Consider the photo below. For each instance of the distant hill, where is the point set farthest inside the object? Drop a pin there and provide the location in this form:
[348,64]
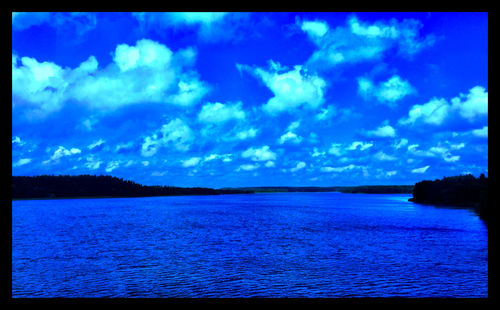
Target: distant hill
[65,186]
[463,191]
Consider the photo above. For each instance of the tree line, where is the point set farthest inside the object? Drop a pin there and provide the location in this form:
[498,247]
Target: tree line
[463,190]
[66,186]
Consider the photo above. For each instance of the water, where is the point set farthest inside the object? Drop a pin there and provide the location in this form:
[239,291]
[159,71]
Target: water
[261,245]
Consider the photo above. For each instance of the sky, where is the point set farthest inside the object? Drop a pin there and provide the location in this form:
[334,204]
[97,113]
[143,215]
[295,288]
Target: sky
[233,99]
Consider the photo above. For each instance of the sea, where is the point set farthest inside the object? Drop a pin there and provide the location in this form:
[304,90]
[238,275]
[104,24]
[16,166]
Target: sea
[264,245]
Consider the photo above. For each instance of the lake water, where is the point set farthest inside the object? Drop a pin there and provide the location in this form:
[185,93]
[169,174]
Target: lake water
[256,245]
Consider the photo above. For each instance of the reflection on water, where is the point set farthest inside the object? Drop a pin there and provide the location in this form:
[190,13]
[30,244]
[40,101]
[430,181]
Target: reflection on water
[261,245]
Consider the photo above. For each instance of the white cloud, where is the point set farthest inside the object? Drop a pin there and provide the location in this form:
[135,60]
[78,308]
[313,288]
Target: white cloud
[147,72]
[96,144]
[17,140]
[270,164]
[248,167]
[335,149]
[474,104]
[362,146]
[384,157]
[61,151]
[340,169]
[433,112]
[259,154]
[112,165]
[191,162]
[326,113]
[420,170]
[22,162]
[247,134]
[482,133]
[314,28]
[401,143]
[292,89]
[175,133]
[382,131]
[223,157]
[317,153]
[391,173]
[289,137]
[300,165]
[437,111]
[93,163]
[359,41]
[220,113]
[390,91]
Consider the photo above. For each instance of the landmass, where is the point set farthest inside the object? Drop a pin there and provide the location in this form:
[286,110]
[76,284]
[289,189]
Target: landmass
[464,191]
[104,186]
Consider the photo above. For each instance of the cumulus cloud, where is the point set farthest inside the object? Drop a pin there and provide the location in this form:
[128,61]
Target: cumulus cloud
[112,165]
[61,151]
[388,92]
[383,131]
[469,106]
[220,113]
[481,133]
[362,145]
[209,26]
[384,157]
[175,133]
[300,165]
[147,72]
[290,137]
[191,162]
[259,154]
[359,41]
[292,89]
[247,134]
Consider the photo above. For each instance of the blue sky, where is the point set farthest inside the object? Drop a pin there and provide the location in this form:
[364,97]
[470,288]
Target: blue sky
[251,99]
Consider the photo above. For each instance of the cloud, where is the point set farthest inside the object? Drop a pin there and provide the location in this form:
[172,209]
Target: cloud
[61,151]
[314,28]
[481,133]
[472,105]
[112,165]
[400,143]
[93,163]
[388,92]
[247,134]
[248,167]
[96,144]
[209,26]
[292,89]
[362,145]
[147,72]
[220,113]
[436,112]
[22,162]
[289,137]
[191,162]
[175,133]
[300,165]
[383,131]
[341,169]
[78,22]
[17,140]
[358,41]
[384,157]
[259,154]
[420,170]
[223,157]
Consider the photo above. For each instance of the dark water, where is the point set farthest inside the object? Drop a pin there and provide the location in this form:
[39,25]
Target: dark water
[262,245]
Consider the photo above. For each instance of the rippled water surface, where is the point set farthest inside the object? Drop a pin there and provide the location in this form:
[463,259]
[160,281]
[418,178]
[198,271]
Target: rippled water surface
[261,245]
